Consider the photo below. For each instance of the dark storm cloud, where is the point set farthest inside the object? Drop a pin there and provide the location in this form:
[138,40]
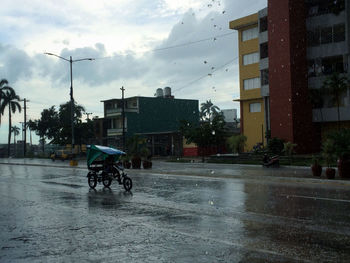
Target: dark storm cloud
[14,63]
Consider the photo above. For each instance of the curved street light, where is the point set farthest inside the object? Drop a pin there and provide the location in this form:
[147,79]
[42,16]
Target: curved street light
[70,60]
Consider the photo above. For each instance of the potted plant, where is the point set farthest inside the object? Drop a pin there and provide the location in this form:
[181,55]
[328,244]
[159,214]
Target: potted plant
[340,140]
[125,159]
[328,153]
[146,163]
[316,168]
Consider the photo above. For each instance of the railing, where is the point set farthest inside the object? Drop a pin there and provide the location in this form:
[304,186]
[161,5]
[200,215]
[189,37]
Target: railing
[111,132]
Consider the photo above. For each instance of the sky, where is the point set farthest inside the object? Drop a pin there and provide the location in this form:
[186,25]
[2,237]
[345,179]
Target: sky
[141,45]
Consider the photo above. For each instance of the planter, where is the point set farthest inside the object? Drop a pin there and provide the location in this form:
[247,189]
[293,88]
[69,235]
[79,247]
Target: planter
[136,162]
[344,167]
[330,173]
[316,170]
[147,164]
[127,164]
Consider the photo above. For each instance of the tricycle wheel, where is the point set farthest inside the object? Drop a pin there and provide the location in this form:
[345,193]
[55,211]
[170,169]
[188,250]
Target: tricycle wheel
[127,182]
[92,180]
[106,180]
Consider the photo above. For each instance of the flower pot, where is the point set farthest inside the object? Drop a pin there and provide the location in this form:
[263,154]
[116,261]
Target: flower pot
[147,164]
[316,170]
[136,162]
[127,164]
[344,167]
[330,173]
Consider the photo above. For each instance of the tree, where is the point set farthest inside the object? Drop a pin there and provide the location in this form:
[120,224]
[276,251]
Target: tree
[15,130]
[64,114]
[47,126]
[335,85]
[3,88]
[205,134]
[10,100]
[208,109]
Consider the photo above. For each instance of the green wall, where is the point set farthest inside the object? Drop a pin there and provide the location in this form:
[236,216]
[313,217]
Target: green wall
[158,115]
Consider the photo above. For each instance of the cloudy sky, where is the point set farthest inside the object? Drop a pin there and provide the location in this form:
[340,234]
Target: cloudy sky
[139,44]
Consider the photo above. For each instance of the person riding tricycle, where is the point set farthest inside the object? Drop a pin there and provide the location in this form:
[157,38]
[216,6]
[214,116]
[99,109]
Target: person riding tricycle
[103,167]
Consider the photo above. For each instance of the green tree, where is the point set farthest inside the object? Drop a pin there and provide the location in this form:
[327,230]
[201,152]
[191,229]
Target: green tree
[15,130]
[47,126]
[335,86]
[11,100]
[208,110]
[206,134]
[3,88]
[64,114]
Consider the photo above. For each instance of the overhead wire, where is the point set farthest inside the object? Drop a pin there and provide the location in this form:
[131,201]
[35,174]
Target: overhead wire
[213,38]
[207,75]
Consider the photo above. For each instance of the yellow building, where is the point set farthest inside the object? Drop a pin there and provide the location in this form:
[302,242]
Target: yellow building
[251,101]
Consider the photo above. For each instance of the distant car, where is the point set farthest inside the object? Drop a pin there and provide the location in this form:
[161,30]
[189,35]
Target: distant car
[61,155]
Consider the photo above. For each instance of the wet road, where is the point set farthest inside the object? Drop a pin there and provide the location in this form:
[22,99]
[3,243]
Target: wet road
[50,214]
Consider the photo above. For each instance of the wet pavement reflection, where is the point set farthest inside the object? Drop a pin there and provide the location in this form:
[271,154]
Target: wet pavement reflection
[50,214]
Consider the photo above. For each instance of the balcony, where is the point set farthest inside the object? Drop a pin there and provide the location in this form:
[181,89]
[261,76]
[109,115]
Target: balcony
[115,132]
[331,114]
[118,111]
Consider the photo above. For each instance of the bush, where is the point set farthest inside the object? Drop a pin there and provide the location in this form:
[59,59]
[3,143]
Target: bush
[236,143]
[275,145]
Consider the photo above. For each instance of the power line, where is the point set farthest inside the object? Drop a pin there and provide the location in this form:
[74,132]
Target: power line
[213,38]
[204,76]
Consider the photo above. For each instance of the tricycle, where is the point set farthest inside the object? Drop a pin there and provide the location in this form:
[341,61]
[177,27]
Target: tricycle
[103,166]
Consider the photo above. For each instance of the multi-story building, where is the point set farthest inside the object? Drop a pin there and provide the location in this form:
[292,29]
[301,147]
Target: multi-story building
[155,118]
[301,42]
[251,101]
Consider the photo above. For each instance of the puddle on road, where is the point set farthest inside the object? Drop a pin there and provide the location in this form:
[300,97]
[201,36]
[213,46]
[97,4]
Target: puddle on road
[63,184]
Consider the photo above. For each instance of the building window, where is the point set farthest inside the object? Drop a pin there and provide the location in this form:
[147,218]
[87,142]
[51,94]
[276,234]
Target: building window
[255,107]
[313,37]
[264,50]
[326,66]
[250,34]
[264,77]
[321,7]
[326,35]
[339,33]
[263,24]
[253,83]
[250,58]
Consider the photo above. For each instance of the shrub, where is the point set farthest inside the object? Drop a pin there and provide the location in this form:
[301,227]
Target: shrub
[275,145]
[236,143]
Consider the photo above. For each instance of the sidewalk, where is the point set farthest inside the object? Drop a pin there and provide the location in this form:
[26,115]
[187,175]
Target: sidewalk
[236,171]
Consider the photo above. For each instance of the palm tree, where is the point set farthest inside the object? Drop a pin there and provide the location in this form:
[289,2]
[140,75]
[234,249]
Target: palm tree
[3,88]
[10,100]
[15,130]
[208,109]
[335,85]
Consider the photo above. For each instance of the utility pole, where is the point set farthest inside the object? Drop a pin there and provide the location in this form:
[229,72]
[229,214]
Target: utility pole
[71,102]
[24,128]
[123,117]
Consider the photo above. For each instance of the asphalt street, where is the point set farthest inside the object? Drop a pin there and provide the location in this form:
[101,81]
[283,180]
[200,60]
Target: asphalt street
[174,213]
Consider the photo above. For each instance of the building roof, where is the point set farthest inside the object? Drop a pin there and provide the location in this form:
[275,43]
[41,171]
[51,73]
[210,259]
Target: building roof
[243,22]
[146,98]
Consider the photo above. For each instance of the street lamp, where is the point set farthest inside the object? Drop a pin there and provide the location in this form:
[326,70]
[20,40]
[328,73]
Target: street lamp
[70,60]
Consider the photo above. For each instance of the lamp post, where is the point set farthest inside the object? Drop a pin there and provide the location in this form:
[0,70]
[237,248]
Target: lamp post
[71,61]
